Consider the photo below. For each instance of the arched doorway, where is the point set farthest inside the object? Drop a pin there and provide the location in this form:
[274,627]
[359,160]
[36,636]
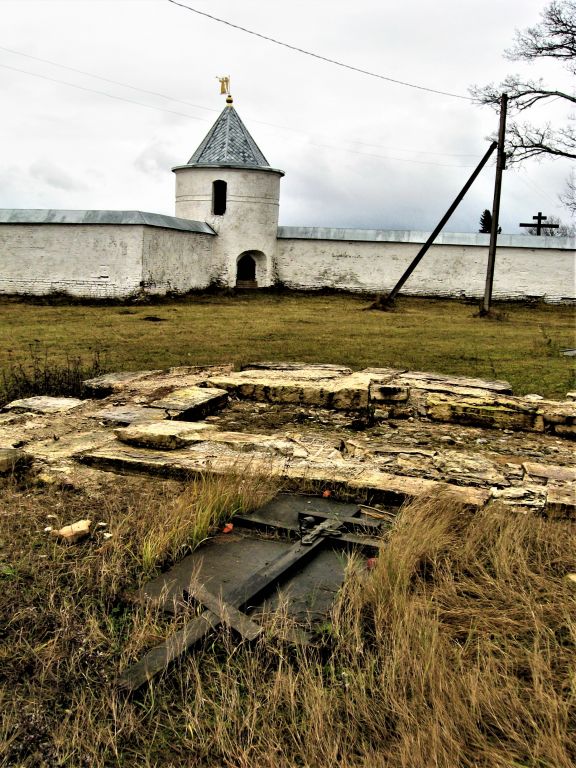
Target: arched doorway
[246,269]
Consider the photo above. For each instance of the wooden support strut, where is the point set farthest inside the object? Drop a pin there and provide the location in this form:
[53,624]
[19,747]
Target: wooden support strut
[420,255]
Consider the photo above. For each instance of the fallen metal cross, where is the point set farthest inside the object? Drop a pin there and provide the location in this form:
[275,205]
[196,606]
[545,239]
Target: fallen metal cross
[539,219]
[314,528]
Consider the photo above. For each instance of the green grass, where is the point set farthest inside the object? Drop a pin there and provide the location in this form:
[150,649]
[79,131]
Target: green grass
[435,335]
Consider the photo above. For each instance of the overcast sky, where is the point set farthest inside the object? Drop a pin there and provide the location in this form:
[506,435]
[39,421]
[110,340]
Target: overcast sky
[357,151]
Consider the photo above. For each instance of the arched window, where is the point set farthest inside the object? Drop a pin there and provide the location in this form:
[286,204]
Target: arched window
[219,197]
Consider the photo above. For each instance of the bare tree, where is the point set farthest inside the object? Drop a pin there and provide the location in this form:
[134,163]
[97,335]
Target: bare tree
[568,198]
[554,37]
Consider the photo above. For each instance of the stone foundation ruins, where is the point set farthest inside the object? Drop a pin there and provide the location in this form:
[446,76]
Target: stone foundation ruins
[379,435]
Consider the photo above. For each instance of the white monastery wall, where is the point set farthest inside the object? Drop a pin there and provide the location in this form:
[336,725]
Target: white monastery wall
[82,260]
[372,261]
[251,219]
[176,261]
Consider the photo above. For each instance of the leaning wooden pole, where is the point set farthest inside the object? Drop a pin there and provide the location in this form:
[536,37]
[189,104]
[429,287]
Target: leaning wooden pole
[500,165]
[419,256]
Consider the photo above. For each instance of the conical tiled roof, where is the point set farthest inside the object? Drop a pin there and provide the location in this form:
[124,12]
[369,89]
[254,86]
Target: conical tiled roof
[229,143]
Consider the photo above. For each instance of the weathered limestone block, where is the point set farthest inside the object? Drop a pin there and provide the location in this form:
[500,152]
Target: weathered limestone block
[54,450]
[469,469]
[121,415]
[561,499]
[388,393]
[437,382]
[318,369]
[247,443]
[397,489]
[192,403]
[527,496]
[11,460]
[172,435]
[298,475]
[108,383]
[549,471]
[566,431]
[496,413]
[303,388]
[164,435]
[559,417]
[44,404]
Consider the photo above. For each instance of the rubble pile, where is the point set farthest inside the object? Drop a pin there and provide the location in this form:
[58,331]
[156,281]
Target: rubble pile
[381,433]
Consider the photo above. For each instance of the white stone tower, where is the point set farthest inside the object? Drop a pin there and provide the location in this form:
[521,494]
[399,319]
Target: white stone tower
[229,184]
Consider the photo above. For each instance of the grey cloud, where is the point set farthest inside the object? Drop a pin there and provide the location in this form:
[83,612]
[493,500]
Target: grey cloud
[54,176]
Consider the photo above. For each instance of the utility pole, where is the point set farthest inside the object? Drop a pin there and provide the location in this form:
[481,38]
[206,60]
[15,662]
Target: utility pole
[500,165]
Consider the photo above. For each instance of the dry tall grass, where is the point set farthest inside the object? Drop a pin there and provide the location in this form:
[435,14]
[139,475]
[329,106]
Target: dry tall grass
[455,651]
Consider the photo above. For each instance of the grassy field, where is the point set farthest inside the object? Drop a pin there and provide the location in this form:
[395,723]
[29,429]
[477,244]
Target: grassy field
[522,346]
[456,650]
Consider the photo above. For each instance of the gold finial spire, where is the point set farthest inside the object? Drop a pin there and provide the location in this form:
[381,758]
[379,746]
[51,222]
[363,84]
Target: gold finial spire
[225,88]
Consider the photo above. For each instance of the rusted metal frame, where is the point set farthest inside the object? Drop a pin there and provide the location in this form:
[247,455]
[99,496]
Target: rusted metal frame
[253,588]
[352,538]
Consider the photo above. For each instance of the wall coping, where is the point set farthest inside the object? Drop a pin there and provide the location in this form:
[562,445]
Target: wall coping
[56,216]
[413,236]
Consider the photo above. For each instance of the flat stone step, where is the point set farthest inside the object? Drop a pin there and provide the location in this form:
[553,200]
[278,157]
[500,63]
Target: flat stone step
[44,404]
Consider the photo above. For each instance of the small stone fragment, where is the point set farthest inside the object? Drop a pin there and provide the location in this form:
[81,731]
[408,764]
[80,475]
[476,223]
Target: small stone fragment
[74,532]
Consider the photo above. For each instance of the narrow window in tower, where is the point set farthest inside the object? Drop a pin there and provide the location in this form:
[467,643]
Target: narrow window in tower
[219,198]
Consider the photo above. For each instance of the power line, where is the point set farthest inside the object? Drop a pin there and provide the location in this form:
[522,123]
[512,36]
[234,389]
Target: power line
[104,79]
[318,56]
[398,159]
[192,117]
[101,93]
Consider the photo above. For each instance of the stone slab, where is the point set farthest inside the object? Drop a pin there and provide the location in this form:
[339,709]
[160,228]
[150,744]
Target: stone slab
[164,435]
[300,476]
[192,403]
[336,392]
[122,415]
[108,383]
[44,404]
[558,412]
[549,471]
[495,413]
[432,381]
[323,369]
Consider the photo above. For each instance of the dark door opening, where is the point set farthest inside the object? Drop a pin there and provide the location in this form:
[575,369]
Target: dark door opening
[246,272]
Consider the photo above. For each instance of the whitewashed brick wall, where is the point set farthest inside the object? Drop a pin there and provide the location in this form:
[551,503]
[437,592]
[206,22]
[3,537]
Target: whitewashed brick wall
[455,266]
[101,261]
[177,261]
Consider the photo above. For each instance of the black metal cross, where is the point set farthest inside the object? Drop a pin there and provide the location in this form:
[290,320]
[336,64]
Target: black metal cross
[539,225]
